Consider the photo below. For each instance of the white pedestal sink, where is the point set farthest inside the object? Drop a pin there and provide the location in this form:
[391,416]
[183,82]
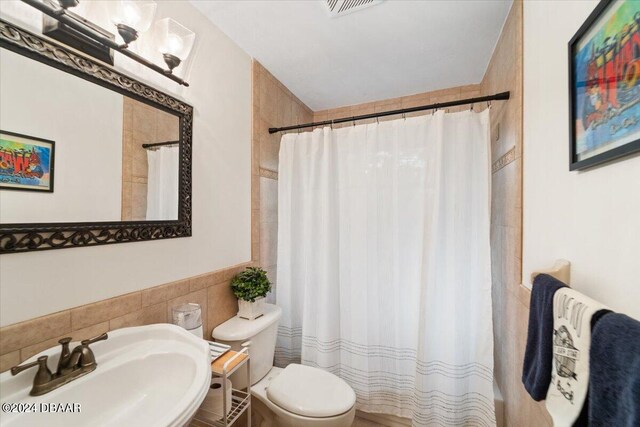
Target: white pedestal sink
[156,375]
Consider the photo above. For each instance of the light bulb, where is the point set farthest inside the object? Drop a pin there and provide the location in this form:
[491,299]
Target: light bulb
[174,45]
[132,17]
[174,41]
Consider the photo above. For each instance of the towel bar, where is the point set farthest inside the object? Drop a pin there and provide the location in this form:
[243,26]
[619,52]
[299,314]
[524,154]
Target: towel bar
[561,270]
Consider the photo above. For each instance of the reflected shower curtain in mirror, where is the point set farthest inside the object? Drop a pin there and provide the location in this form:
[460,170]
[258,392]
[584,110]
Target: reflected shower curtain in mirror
[162,183]
[384,271]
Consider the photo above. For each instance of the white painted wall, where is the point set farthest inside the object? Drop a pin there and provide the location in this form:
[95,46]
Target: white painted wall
[219,72]
[590,218]
[88,152]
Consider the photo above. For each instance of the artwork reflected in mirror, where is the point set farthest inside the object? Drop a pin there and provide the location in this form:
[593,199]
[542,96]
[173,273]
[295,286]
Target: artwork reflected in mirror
[116,158]
[26,162]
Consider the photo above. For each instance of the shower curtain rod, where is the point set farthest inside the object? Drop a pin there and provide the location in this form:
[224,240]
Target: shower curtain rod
[160,144]
[503,96]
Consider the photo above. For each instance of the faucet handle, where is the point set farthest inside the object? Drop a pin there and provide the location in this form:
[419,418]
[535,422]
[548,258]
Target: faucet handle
[42,376]
[95,339]
[17,369]
[65,347]
[87,356]
[65,355]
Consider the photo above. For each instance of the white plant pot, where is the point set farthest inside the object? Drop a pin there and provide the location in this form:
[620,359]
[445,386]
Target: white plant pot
[251,310]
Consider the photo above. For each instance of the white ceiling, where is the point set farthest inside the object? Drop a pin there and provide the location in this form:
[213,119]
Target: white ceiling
[396,48]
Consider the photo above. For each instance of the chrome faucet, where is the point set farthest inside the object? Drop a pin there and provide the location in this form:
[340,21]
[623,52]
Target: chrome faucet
[72,365]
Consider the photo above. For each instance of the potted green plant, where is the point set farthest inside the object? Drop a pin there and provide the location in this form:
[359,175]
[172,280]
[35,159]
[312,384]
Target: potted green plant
[250,287]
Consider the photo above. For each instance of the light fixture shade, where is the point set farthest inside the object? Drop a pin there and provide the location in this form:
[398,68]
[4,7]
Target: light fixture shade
[136,14]
[174,39]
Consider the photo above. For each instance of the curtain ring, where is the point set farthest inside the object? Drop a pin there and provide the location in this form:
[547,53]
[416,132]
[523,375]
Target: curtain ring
[404,116]
[331,124]
[434,111]
[488,104]
[298,131]
[354,122]
[377,119]
[471,108]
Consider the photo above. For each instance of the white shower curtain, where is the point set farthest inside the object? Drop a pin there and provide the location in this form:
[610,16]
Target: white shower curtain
[162,183]
[384,272]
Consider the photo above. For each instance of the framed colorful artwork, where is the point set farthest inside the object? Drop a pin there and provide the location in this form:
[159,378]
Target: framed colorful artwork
[26,162]
[604,85]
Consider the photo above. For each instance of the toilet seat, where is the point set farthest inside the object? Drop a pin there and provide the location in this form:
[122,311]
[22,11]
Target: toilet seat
[310,392]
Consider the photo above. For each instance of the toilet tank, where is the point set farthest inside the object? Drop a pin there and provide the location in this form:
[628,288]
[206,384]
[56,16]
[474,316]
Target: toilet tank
[262,332]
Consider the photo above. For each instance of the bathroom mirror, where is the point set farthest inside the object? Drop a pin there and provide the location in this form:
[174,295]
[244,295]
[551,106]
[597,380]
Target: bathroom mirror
[88,155]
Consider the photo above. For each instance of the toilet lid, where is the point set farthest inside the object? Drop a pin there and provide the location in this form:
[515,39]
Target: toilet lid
[310,392]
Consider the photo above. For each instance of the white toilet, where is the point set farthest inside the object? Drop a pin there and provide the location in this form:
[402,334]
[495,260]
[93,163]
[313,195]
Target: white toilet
[296,396]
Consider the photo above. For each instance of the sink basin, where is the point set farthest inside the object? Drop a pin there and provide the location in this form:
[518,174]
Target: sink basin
[156,375]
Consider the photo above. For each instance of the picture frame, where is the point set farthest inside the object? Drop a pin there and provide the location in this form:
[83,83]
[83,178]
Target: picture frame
[26,162]
[604,85]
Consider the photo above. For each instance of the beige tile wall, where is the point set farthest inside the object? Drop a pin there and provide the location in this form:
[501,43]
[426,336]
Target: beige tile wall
[142,124]
[273,106]
[510,299]
[425,98]
[22,340]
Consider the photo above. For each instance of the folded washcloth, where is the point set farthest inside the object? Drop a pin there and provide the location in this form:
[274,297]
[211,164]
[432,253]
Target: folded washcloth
[614,383]
[536,372]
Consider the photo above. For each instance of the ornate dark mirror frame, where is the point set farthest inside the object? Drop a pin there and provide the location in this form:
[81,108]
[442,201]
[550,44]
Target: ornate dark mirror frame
[15,238]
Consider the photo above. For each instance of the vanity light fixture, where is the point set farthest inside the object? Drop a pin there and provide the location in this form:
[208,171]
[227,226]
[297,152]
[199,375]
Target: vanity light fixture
[175,42]
[131,18]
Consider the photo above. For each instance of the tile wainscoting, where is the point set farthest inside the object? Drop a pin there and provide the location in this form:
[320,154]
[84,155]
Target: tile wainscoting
[212,291]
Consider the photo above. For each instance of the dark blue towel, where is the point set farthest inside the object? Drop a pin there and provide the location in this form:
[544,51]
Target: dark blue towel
[536,372]
[614,372]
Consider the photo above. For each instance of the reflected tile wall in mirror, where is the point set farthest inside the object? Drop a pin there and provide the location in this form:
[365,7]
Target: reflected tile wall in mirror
[142,124]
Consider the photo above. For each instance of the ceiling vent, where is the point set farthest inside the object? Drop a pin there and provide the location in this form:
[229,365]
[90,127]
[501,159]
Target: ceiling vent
[342,7]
